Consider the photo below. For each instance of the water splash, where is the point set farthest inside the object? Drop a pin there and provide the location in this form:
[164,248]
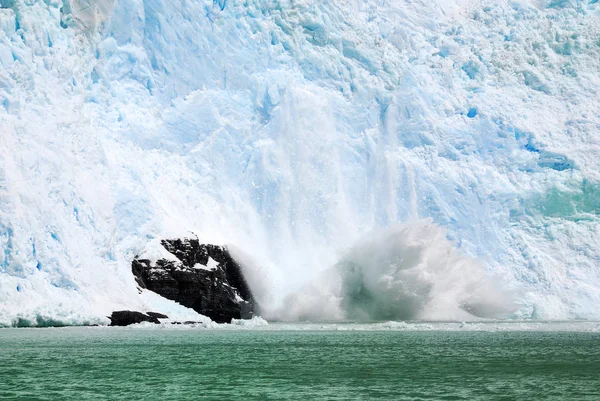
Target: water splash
[407,272]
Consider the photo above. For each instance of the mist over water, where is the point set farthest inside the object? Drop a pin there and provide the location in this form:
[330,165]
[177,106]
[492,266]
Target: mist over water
[406,272]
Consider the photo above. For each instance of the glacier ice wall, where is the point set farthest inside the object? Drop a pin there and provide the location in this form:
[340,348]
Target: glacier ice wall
[290,128]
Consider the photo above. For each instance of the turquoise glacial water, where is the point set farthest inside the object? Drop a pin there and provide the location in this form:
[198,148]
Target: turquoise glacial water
[207,364]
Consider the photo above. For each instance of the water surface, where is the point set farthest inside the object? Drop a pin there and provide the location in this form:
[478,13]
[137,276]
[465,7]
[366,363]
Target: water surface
[271,364]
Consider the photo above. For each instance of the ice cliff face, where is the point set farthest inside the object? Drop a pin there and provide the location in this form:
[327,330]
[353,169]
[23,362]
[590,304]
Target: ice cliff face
[290,129]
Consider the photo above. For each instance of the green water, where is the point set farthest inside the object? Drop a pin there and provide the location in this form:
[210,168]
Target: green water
[167,364]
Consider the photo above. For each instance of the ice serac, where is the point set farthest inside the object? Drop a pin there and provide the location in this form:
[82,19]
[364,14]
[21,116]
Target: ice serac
[291,129]
[202,277]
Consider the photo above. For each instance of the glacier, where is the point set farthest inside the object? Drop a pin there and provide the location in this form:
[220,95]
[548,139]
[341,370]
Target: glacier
[290,129]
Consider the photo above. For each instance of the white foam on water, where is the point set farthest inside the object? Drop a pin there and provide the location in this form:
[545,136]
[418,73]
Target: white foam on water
[258,324]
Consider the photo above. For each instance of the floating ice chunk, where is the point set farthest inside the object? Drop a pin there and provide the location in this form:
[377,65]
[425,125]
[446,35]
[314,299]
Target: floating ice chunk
[256,321]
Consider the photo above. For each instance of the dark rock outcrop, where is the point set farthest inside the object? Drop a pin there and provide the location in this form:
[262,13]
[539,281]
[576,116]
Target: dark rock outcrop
[127,317]
[157,315]
[202,277]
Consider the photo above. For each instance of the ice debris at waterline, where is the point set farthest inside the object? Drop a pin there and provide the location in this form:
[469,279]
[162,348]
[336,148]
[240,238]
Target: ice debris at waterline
[290,129]
[202,277]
